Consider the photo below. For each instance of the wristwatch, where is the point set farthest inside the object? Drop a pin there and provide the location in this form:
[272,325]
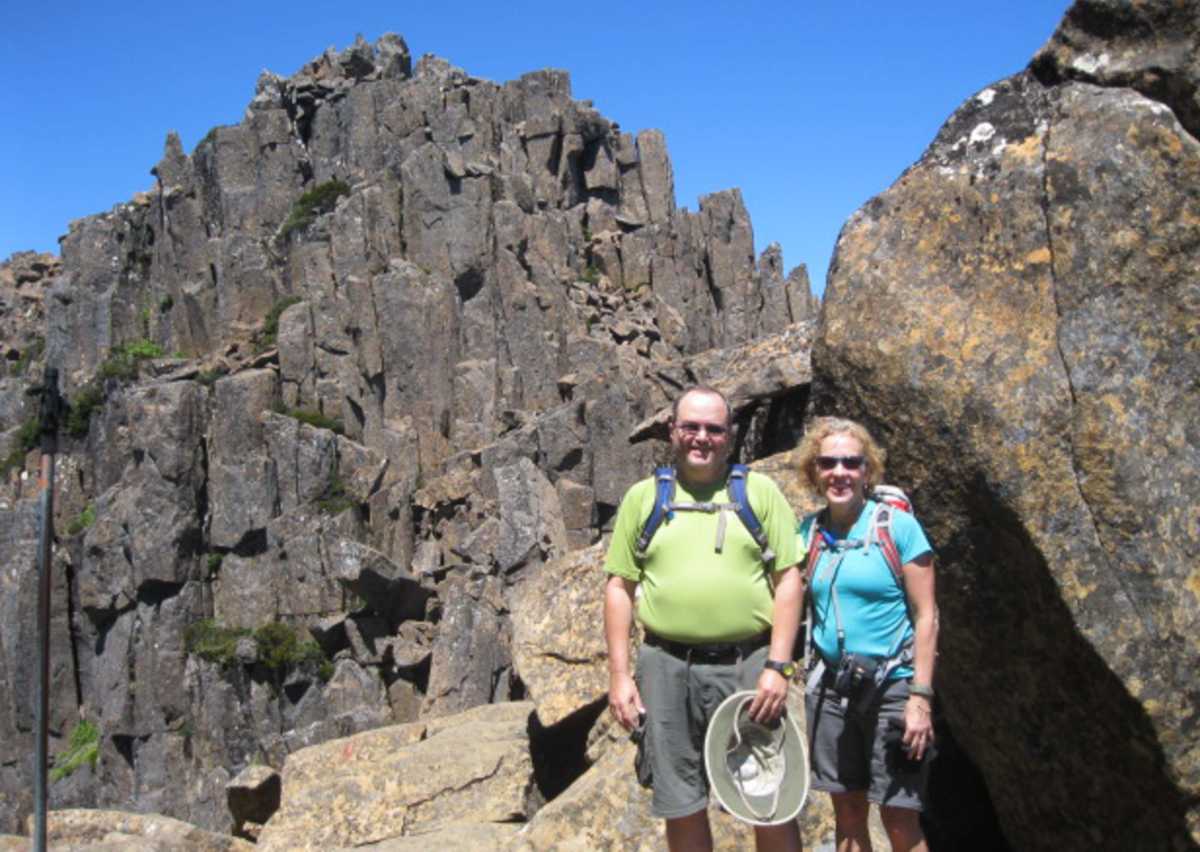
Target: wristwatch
[787,669]
[922,689]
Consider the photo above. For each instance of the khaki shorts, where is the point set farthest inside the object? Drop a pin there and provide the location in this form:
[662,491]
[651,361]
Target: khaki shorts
[680,697]
[853,748]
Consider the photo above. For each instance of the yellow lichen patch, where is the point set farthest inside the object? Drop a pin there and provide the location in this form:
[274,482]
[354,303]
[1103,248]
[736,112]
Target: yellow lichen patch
[1115,406]
[1126,238]
[1024,372]
[1170,141]
[1038,255]
[1074,588]
[1193,584]
[1028,148]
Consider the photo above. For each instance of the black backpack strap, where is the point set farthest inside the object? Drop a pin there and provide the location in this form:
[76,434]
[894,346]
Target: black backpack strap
[738,474]
[664,492]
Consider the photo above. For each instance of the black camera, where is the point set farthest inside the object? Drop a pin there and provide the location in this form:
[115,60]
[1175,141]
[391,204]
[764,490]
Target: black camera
[854,672]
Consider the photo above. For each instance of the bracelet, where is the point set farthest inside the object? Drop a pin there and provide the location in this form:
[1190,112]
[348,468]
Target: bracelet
[922,689]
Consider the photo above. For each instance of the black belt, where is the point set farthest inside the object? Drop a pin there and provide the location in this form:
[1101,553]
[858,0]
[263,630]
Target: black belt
[709,652]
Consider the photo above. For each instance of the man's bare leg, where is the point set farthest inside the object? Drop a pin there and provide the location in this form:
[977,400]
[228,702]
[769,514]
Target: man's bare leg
[690,833]
[777,838]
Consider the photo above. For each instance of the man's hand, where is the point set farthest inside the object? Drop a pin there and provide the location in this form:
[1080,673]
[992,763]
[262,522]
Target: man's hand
[771,697]
[624,700]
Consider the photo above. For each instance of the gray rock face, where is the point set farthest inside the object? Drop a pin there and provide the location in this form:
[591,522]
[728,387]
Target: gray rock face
[414,318]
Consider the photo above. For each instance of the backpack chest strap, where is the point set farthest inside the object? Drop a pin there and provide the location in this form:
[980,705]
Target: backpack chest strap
[665,508]
[709,507]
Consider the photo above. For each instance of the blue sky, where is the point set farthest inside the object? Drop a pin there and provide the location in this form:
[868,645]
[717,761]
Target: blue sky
[811,107]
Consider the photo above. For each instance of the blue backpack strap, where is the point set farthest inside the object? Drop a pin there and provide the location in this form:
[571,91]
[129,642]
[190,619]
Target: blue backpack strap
[738,474]
[664,491]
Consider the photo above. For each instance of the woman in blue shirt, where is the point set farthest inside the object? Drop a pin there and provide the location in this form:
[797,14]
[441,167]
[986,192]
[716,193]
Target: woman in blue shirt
[869,695]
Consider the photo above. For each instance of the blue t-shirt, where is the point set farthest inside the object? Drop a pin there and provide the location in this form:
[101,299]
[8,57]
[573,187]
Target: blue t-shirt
[873,610]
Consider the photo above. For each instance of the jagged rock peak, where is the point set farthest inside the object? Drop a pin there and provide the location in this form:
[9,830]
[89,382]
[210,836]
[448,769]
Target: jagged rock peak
[386,59]
[1152,47]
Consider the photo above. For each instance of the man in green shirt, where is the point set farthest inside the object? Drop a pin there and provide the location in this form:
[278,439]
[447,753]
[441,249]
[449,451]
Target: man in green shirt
[715,619]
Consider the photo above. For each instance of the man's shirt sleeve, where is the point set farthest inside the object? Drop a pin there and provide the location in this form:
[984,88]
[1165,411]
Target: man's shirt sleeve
[622,558]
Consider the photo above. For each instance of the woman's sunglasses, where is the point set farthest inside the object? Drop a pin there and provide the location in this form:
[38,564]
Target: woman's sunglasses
[848,462]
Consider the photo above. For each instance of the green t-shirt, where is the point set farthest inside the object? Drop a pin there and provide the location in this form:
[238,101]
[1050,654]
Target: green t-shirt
[687,591]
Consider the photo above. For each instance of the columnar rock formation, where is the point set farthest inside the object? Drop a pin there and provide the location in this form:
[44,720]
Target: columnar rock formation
[356,368]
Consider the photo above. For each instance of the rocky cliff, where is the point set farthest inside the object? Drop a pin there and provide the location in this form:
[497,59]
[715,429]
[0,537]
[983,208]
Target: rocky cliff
[359,384]
[342,382]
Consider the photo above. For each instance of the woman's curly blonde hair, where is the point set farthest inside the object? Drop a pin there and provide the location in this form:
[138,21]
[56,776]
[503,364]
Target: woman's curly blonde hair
[822,428]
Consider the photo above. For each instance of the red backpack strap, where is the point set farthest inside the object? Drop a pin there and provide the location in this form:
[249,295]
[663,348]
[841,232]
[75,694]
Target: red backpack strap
[813,546]
[881,532]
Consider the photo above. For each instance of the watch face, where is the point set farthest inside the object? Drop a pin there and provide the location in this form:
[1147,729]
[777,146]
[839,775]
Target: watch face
[785,669]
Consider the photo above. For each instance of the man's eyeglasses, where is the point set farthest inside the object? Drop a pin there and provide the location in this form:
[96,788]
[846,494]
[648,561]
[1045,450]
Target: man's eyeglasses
[848,462]
[693,429]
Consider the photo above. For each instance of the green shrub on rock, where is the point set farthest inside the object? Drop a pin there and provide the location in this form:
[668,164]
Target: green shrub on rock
[280,646]
[270,330]
[312,418]
[123,361]
[317,201]
[82,521]
[28,437]
[79,415]
[213,642]
[336,499]
[82,747]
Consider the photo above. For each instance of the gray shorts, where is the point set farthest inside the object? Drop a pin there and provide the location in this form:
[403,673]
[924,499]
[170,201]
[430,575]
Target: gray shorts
[680,697]
[853,748]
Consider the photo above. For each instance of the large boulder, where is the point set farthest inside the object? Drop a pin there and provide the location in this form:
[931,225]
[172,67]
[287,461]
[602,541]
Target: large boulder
[558,636]
[406,780]
[1016,318]
[100,831]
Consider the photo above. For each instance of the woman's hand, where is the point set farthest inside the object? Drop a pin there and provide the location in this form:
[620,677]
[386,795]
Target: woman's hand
[918,726]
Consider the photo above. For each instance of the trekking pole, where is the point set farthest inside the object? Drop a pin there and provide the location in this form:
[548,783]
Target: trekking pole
[50,409]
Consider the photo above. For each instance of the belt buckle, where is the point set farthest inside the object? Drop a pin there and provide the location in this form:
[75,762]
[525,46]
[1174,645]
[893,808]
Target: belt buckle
[713,653]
